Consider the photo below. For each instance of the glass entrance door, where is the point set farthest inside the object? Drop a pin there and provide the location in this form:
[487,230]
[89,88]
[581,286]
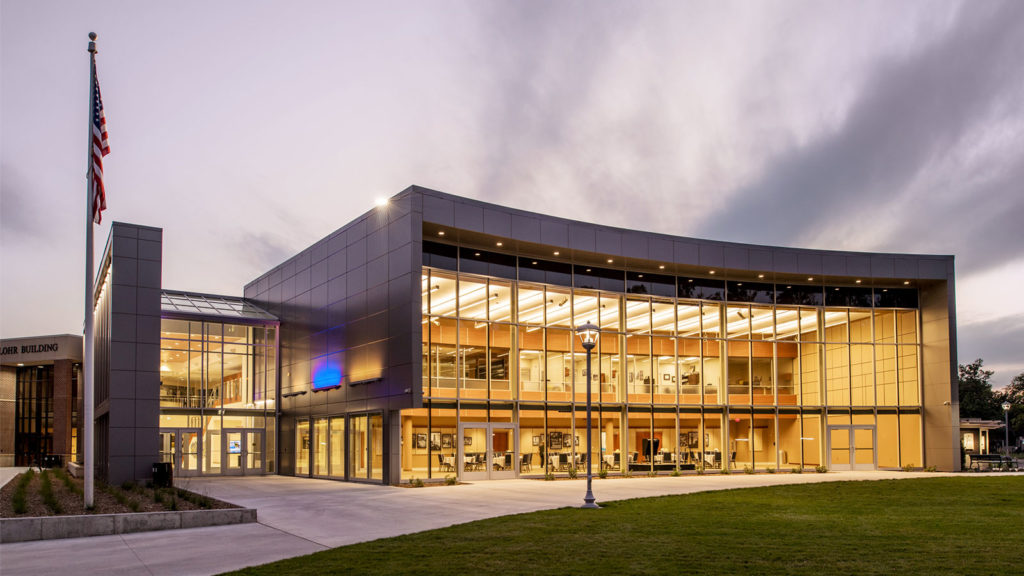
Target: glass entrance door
[182,448]
[487,451]
[851,448]
[243,451]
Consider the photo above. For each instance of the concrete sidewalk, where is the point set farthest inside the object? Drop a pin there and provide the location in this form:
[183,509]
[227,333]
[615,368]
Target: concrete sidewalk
[299,516]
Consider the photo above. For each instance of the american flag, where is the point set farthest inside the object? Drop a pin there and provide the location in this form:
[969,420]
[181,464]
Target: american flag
[100,148]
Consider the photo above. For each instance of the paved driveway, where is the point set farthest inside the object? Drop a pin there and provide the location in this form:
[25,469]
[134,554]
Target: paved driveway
[298,516]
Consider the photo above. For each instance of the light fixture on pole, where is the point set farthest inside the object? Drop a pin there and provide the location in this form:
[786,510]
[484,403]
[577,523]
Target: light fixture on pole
[1006,411]
[588,337]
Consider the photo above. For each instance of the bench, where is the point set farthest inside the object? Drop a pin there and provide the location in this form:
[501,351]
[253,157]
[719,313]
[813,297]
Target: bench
[974,461]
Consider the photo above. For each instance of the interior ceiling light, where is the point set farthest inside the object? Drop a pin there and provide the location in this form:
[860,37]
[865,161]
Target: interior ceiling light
[711,271]
[810,278]
[556,252]
[500,244]
[906,282]
[476,254]
[662,267]
[440,233]
[609,260]
[640,276]
[588,269]
[760,275]
[857,281]
[534,262]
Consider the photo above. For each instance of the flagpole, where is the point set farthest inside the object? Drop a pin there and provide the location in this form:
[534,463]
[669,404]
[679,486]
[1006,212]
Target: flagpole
[88,427]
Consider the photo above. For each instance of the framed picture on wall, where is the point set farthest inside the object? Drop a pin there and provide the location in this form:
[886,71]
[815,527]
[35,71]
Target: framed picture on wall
[577,441]
[536,440]
[555,440]
[435,440]
[446,441]
[421,441]
[467,440]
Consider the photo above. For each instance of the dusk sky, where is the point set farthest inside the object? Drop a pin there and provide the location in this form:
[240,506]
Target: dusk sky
[248,130]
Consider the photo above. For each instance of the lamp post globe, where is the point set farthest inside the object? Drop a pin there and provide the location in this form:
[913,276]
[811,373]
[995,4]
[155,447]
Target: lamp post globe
[1006,441]
[588,334]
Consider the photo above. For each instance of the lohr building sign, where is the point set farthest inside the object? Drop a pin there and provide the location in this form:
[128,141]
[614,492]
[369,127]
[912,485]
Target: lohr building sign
[40,349]
[30,349]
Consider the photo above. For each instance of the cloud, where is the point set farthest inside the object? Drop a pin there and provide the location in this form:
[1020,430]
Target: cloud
[841,188]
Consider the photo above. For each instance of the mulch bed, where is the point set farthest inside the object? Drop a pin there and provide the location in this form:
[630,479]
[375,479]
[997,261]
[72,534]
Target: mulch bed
[71,502]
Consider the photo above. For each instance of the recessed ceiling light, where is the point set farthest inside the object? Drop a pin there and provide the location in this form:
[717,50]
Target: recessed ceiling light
[810,278]
[788,286]
[441,233]
[556,252]
[476,254]
[609,260]
[534,262]
[837,289]
[905,282]
[499,244]
[690,280]
[711,272]
[662,267]
[588,269]
[858,281]
[760,275]
[739,283]
[640,275]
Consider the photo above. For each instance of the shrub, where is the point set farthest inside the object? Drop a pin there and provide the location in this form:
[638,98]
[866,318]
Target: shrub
[416,482]
[798,470]
[821,469]
[18,499]
[128,486]
[675,473]
[700,469]
[770,470]
[550,476]
[572,473]
[930,469]
[725,470]
[450,480]
[748,469]
[46,491]
[603,473]
[908,467]
[652,474]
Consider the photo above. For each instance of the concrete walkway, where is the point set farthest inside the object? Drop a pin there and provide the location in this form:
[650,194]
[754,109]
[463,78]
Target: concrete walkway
[299,516]
[8,473]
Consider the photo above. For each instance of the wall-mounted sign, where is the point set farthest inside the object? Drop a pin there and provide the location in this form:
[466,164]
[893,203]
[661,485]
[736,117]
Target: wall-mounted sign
[30,349]
[234,446]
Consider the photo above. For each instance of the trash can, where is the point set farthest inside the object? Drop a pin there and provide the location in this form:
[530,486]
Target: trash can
[163,475]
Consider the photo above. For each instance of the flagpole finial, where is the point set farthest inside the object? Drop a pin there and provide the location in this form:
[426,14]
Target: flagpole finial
[92,42]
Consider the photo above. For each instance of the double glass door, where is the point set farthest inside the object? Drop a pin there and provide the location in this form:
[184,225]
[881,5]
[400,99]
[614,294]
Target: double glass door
[851,448]
[487,451]
[243,451]
[182,448]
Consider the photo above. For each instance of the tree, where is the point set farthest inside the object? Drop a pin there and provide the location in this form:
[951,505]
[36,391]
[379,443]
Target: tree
[1014,394]
[977,400]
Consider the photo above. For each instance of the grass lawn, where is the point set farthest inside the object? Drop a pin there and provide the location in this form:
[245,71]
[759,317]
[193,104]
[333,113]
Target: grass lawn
[924,526]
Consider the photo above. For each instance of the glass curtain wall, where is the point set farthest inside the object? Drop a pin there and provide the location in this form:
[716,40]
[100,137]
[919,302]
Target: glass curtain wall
[723,375]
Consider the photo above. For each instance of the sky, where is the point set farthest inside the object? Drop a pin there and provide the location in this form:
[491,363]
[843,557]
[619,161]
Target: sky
[248,130]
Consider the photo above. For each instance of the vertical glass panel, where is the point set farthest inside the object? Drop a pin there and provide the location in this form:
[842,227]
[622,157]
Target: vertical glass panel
[174,390]
[559,443]
[714,448]
[610,312]
[236,334]
[811,439]
[168,447]
[487,263]
[640,445]
[441,448]
[688,319]
[762,323]
[320,440]
[177,329]
[442,357]
[442,293]
[762,374]
[358,441]
[710,320]
[638,316]
[862,385]
[638,369]
[787,324]
[837,374]
[739,372]
[809,325]
[738,318]
[906,324]
[473,356]
[663,353]
[860,326]
[531,364]
[337,447]
[531,305]
[237,383]
[689,369]
[270,445]
[789,441]
[836,326]
[885,376]
[559,364]
[213,379]
[544,271]
[499,361]
[910,440]
[690,440]
[559,307]
[473,297]
[585,308]
[713,371]
[888,448]
[610,371]
[788,383]
[425,291]
[500,307]
[885,327]
[864,447]
[440,255]
[580,374]
[909,390]
[839,447]
[302,446]
[663,318]
[376,446]
[810,379]
[531,441]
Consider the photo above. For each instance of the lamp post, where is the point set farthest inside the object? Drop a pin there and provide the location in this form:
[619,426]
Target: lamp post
[588,337]
[1006,412]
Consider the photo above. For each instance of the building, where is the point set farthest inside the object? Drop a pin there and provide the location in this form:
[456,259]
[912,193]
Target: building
[40,398]
[433,336]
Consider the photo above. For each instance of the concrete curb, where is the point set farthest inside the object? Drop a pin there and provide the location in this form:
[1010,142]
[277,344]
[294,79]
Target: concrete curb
[55,527]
